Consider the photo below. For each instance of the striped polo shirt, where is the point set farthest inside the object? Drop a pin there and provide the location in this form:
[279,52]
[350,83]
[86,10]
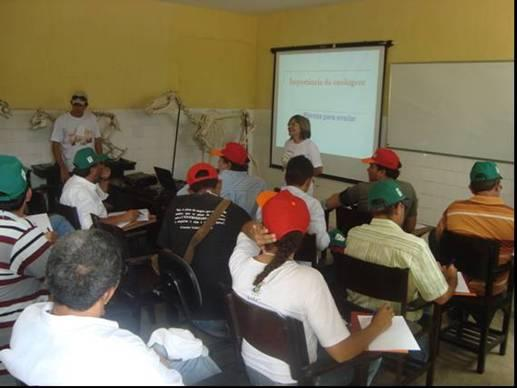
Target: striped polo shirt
[486,217]
[384,242]
[24,250]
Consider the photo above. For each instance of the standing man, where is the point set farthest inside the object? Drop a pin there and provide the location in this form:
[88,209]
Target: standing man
[72,132]
[24,250]
[484,215]
[384,164]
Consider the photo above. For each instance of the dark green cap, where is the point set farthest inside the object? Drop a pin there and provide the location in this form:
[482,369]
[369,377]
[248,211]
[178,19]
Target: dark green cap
[384,193]
[87,157]
[13,181]
[484,171]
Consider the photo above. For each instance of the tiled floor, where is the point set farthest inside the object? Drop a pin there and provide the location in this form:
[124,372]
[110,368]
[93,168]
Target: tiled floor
[453,366]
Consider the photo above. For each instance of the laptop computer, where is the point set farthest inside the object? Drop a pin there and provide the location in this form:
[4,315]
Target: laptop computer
[165,178]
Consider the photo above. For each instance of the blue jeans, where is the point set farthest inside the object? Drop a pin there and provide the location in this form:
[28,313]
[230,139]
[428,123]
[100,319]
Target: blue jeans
[339,376]
[60,225]
[192,371]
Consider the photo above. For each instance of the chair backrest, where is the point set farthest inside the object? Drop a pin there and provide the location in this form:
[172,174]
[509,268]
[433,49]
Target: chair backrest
[307,250]
[70,213]
[474,256]
[273,334]
[177,276]
[374,280]
[349,217]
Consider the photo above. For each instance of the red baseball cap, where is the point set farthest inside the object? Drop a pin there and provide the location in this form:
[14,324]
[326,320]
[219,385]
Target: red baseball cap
[284,213]
[192,178]
[384,157]
[234,152]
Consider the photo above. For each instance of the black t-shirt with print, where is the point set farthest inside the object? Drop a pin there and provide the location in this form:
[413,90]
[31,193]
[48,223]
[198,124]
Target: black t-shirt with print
[183,218]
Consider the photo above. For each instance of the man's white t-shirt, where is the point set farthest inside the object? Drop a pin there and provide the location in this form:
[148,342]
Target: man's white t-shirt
[74,134]
[86,197]
[47,349]
[294,290]
[307,148]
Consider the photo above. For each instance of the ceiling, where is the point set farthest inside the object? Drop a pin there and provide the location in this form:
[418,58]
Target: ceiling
[253,6]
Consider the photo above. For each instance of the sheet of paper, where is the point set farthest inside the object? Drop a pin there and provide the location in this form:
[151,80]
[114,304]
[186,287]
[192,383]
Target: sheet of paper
[41,221]
[461,287]
[397,337]
[143,215]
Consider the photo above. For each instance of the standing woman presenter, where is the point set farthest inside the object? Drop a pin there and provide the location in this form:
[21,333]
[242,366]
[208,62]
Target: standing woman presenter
[300,143]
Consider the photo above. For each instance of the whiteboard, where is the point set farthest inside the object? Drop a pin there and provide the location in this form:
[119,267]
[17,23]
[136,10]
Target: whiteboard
[453,108]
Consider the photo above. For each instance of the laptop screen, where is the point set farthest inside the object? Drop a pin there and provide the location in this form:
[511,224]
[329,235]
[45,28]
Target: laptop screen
[165,178]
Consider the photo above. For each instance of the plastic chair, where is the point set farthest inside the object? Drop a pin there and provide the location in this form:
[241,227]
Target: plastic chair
[477,258]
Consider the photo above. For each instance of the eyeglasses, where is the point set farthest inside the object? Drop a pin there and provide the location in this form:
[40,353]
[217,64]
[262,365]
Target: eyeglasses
[79,97]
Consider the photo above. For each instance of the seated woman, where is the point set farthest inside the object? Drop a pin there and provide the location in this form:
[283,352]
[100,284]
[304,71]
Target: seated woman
[67,342]
[271,278]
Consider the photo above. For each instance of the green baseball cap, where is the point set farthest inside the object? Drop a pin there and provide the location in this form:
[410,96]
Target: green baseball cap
[87,157]
[13,181]
[484,171]
[384,193]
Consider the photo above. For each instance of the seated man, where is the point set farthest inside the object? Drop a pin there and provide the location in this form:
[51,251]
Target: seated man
[67,342]
[484,215]
[384,164]
[185,215]
[237,185]
[384,242]
[24,249]
[86,190]
[298,177]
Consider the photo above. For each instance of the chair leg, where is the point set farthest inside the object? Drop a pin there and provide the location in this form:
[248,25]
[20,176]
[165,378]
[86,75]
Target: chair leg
[482,349]
[506,326]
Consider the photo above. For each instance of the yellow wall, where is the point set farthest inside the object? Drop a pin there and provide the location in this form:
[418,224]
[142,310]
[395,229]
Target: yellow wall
[422,31]
[124,52]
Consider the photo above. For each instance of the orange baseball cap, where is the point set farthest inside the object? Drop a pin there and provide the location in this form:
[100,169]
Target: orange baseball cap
[201,172]
[284,213]
[234,152]
[384,157]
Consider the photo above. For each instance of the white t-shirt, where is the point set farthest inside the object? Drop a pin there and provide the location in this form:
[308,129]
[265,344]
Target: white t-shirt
[294,290]
[75,133]
[307,148]
[47,349]
[86,197]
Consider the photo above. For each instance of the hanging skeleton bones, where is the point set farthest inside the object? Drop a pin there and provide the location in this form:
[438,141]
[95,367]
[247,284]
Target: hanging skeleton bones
[209,132]
[107,121]
[5,111]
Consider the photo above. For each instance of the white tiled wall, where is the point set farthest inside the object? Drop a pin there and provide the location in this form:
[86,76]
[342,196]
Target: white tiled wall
[438,180]
[149,139]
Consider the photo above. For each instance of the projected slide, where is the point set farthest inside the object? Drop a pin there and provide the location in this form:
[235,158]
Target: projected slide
[339,91]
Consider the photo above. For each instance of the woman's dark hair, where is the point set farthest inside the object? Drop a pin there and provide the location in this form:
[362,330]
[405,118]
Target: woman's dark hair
[305,125]
[235,166]
[480,186]
[285,247]
[82,266]
[14,204]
